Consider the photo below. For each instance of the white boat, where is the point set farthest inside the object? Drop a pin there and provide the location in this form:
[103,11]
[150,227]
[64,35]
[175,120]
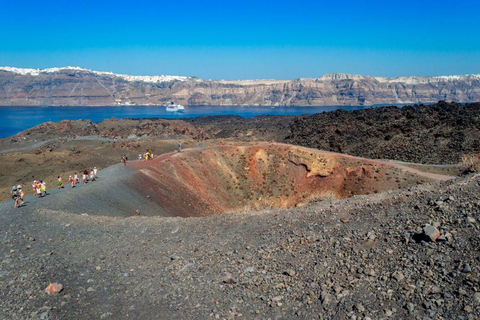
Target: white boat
[173,107]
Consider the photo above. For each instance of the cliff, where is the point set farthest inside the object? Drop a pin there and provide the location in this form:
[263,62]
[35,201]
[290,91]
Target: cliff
[77,86]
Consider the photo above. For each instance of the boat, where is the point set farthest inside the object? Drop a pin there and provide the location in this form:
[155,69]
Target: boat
[173,107]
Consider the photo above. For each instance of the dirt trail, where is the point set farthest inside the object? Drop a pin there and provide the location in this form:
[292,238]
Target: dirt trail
[396,164]
[112,194]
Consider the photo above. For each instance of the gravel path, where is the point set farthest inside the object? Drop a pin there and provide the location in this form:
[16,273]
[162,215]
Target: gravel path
[111,194]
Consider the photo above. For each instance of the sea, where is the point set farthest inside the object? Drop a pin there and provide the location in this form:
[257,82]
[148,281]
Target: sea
[16,119]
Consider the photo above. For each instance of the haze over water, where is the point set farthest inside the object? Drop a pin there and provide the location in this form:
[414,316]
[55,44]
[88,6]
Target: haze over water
[16,119]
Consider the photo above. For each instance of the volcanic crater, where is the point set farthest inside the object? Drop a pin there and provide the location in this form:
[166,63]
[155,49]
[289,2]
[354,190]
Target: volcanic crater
[232,178]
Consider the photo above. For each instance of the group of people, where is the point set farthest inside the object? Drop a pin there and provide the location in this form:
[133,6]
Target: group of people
[86,177]
[146,156]
[40,187]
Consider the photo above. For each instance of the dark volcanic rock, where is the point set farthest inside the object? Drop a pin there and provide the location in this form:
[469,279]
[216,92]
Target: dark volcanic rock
[439,133]
[261,128]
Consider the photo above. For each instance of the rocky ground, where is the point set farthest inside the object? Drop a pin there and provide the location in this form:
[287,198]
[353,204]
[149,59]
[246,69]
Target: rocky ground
[367,257]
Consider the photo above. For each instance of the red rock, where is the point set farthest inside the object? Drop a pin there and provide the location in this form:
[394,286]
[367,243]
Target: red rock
[53,288]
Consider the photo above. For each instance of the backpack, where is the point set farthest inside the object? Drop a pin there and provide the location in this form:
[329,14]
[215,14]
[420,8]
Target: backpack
[14,191]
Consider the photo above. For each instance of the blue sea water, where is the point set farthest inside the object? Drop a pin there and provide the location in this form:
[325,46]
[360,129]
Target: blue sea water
[16,119]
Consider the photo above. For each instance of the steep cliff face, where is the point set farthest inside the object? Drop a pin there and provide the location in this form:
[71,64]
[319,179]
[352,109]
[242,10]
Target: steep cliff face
[76,86]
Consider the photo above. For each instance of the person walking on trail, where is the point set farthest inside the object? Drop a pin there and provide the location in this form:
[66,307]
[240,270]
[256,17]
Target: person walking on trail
[179,146]
[43,187]
[95,172]
[15,196]
[92,176]
[34,186]
[21,194]
[72,182]
[38,188]
[76,178]
[124,160]
[59,182]
[147,155]
[84,177]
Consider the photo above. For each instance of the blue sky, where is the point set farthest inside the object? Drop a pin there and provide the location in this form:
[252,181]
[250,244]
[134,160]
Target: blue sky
[244,39]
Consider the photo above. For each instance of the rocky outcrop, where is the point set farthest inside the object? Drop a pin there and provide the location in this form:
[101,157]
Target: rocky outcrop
[112,129]
[76,86]
[440,133]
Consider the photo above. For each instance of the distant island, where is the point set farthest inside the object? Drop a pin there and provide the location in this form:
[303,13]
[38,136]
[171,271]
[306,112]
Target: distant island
[74,86]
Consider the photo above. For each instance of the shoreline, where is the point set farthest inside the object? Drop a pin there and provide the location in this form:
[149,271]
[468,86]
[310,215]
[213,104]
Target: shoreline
[236,105]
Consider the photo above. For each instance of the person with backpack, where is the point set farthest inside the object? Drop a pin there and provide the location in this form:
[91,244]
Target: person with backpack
[15,196]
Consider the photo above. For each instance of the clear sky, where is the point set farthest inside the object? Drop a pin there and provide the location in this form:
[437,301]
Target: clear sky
[244,39]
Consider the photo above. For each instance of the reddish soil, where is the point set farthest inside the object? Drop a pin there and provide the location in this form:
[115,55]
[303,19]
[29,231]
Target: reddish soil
[228,178]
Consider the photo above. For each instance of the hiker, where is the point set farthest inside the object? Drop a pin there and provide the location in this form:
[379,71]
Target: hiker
[59,182]
[95,172]
[179,146]
[43,187]
[15,196]
[140,158]
[124,160]
[84,177]
[72,182]
[147,155]
[34,186]
[21,194]
[92,176]
[76,178]
[38,188]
